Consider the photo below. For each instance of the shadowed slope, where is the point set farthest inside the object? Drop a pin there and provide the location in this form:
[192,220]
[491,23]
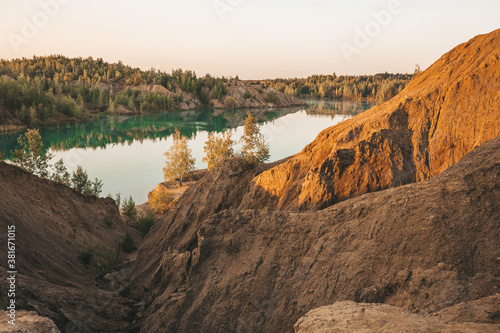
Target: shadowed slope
[54,225]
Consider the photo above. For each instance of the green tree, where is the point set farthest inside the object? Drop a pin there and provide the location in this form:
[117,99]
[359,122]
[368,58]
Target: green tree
[33,116]
[30,155]
[254,147]
[80,180]
[61,174]
[1,155]
[118,199]
[218,148]
[129,209]
[95,187]
[179,159]
[131,104]
[144,222]
[128,243]
[81,104]
[112,105]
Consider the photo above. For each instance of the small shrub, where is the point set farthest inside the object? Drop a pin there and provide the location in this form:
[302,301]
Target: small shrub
[104,258]
[229,103]
[145,222]
[128,243]
[272,98]
[160,200]
[247,95]
[118,199]
[86,256]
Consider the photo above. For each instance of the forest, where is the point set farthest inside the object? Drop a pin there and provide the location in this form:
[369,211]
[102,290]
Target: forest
[375,88]
[33,91]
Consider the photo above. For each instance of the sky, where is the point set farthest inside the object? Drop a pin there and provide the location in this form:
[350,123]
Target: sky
[254,39]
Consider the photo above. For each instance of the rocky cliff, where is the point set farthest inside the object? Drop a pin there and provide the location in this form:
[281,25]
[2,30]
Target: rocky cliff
[441,115]
[237,255]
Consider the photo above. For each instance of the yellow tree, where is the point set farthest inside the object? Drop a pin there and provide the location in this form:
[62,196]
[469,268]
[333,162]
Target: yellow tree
[161,200]
[218,148]
[179,159]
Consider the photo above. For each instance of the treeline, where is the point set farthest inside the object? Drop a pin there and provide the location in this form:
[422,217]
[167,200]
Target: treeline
[35,90]
[379,87]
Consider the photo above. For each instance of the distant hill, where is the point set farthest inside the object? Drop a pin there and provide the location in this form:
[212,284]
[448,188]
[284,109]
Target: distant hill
[57,89]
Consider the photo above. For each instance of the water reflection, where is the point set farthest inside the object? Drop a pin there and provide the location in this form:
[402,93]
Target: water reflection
[106,130]
[127,152]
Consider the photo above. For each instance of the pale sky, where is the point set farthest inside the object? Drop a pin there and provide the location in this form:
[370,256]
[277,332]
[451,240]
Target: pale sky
[254,39]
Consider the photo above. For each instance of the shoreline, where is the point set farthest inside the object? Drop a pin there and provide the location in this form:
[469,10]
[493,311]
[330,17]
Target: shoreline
[12,128]
[174,188]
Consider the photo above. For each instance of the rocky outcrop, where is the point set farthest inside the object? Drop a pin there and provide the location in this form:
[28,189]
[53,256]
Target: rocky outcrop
[240,94]
[362,317]
[154,88]
[64,240]
[243,95]
[423,247]
[441,115]
[26,321]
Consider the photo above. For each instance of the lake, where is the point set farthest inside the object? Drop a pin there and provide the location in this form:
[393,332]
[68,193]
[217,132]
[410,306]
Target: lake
[126,152]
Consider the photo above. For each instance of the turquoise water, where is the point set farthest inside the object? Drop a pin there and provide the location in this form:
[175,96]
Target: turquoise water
[126,152]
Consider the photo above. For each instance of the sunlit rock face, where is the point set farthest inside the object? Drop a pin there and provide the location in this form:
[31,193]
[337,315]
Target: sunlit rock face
[441,115]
